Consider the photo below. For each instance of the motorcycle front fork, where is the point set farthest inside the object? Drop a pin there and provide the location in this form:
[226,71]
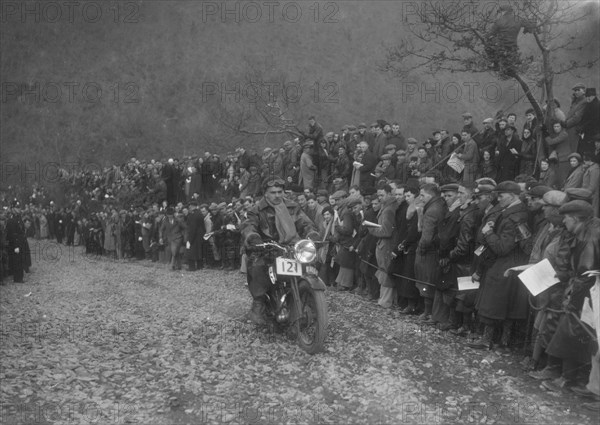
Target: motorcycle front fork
[297,304]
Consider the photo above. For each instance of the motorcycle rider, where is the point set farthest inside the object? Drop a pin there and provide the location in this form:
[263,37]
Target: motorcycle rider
[277,219]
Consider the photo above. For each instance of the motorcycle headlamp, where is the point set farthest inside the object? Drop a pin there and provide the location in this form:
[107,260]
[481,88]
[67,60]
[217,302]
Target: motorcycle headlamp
[305,251]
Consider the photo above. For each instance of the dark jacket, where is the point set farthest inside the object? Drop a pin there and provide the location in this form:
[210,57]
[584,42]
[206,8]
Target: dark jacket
[194,234]
[172,231]
[500,297]
[571,341]
[261,221]
[461,253]
[344,236]
[590,120]
[433,213]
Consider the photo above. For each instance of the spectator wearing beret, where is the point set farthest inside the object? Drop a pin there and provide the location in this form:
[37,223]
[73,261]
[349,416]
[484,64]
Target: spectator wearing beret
[575,177]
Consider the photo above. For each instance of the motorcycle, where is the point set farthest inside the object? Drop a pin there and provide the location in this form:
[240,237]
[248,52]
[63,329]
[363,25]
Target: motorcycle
[296,298]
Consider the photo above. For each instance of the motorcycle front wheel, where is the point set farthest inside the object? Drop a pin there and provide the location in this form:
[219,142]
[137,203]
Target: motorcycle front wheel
[312,321]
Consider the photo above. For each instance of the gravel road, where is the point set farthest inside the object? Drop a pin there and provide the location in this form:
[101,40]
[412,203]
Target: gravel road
[89,340]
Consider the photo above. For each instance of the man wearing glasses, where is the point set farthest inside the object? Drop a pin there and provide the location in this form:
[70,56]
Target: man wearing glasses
[273,218]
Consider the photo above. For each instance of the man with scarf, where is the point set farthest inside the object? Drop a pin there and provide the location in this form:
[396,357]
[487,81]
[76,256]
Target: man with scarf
[273,218]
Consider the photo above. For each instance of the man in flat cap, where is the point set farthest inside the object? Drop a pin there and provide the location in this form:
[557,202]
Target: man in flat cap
[575,115]
[388,171]
[427,267]
[411,147]
[487,141]
[386,242]
[469,154]
[172,232]
[443,301]
[194,236]
[469,126]
[571,344]
[503,300]
[488,211]
[590,121]
[308,168]
[365,166]
[396,138]
[19,257]
[534,197]
[315,130]
[323,197]
[379,142]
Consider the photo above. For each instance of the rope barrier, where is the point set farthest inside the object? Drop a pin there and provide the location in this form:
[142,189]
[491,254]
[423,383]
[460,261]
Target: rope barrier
[583,324]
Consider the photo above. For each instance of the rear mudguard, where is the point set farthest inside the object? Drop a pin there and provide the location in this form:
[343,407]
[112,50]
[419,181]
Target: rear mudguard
[315,282]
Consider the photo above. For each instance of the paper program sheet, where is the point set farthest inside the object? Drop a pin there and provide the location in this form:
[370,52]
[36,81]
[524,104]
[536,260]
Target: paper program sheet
[539,277]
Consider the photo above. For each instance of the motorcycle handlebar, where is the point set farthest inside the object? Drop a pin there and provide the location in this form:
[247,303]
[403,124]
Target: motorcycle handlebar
[267,244]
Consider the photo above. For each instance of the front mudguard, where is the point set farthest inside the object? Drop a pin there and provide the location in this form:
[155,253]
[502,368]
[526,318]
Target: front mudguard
[314,281]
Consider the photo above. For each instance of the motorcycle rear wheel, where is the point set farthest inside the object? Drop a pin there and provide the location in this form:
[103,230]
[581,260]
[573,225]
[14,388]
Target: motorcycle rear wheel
[312,323]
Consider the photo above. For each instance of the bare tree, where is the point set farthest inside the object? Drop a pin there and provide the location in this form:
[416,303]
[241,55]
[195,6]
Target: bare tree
[261,104]
[461,37]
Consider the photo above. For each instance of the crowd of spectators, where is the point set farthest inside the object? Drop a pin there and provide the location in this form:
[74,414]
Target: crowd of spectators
[404,219]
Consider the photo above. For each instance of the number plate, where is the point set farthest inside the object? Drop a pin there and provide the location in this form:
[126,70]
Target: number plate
[287,267]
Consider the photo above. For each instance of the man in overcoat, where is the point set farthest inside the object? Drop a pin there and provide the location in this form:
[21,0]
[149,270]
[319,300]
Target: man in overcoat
[194,237]
[502,300]
[386,218]
[427,267]
[571,342]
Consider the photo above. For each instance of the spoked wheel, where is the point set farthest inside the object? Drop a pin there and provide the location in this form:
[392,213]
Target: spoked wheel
[312,321]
